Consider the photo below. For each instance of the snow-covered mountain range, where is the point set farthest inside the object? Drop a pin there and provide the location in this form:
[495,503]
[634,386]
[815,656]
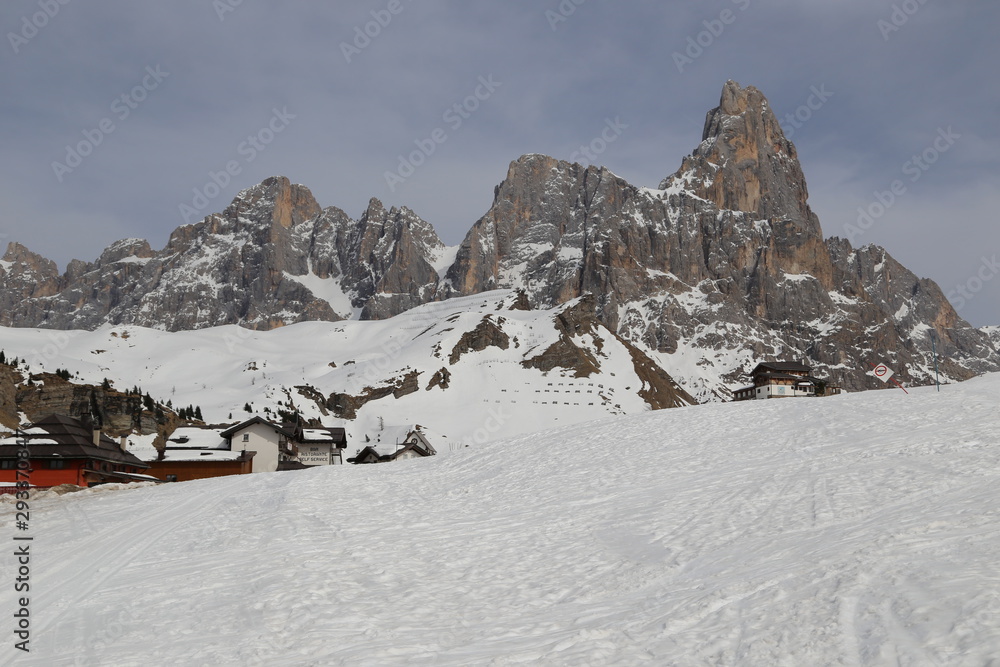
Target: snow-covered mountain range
[722,265]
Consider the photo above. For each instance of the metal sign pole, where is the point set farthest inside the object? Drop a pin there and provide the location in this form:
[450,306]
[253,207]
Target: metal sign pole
[937,377]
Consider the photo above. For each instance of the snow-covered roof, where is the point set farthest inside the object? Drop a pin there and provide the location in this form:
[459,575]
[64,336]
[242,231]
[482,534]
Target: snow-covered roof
[34,441]
[322,434]
[142,447]
[193,437]
[393,435]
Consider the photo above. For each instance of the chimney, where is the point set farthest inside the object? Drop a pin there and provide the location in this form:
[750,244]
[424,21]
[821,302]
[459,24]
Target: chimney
[97,437]
[124,443]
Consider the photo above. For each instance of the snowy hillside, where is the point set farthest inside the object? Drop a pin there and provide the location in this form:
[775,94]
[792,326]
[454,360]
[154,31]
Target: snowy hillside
[457,367]
[857,530]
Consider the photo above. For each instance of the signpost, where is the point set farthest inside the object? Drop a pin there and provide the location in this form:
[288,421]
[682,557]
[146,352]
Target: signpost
[884,373]
[937,377]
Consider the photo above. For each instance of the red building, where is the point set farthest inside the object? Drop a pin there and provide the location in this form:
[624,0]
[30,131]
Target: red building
[65,450]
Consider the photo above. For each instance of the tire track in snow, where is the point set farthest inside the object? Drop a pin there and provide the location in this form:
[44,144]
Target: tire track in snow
[111,559]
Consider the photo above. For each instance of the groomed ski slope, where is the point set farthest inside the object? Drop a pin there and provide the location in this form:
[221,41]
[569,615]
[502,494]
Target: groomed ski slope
[857,530]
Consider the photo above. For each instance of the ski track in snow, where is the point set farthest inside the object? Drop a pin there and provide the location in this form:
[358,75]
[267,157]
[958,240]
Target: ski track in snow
[857,530]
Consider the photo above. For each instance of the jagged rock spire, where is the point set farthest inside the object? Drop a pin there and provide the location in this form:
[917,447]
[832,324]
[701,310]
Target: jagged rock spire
[745,163]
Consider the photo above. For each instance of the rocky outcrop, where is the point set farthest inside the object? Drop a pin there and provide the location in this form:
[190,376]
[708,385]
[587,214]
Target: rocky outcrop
[578,319]
[346,406]
[659,390]
[485,334]
[993,333]
[118,413]
[10,378]
[441,379]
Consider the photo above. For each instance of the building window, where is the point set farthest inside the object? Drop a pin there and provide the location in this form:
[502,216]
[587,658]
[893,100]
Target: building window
[9,464]
[57,465]
[246,437]
[171,478]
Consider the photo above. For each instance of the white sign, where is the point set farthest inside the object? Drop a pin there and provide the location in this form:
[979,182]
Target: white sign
[882,372]
[314,456]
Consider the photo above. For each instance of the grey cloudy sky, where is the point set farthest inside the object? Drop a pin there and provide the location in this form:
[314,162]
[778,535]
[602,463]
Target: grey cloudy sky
[224,67]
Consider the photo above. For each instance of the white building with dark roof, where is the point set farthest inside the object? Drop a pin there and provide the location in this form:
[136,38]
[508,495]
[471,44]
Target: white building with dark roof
[784,379]
[396,443]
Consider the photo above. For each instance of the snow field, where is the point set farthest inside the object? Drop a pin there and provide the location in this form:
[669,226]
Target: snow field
[856,530]
[223,368]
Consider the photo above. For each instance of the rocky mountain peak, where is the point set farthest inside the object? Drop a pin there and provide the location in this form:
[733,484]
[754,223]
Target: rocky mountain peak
[275,200]
[375,212]
[26,274]
[17,254]
[745,162]
[124,250]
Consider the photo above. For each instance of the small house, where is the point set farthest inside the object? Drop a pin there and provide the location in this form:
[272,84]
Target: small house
[273,443]
[255,445]
[396,443]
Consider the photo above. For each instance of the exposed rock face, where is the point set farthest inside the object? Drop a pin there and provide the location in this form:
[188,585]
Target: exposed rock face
[745,163]
[346,406]
[9,379]
[441,379]
[722,266]
[658,389]
[46,393]
[576,320]
[256,264]
[484,335]
[993,333]
[26,279]
[725,263]
[579,319]
[387,261]
[568,342]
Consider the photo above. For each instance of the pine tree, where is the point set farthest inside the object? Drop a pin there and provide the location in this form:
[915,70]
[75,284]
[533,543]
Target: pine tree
[247,408]
[197,413]
[3,357]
